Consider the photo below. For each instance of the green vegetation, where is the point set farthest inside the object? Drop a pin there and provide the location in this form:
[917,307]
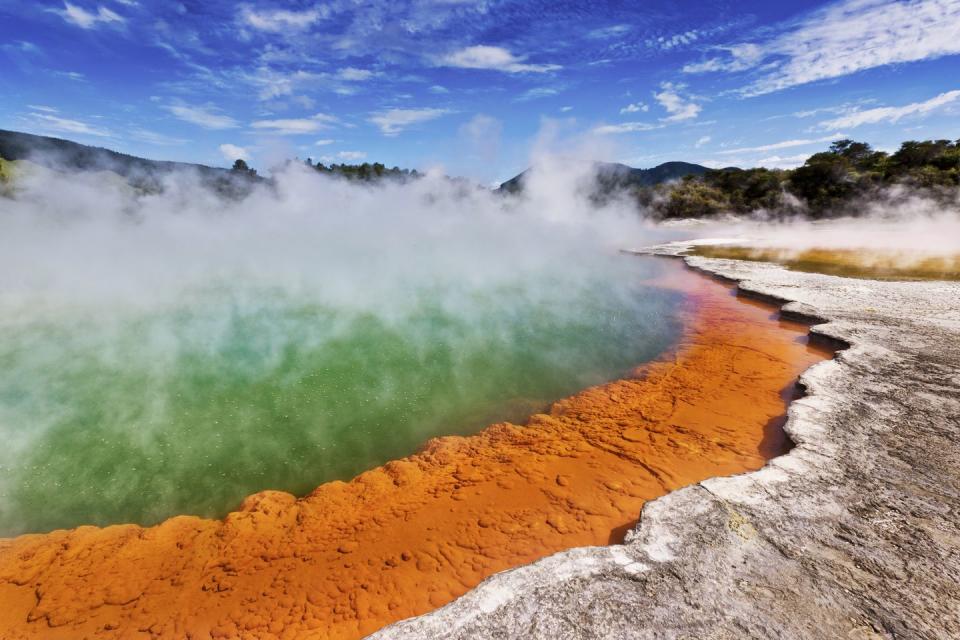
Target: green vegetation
[834,182]
[850,263]
[365,172]
[6,171]
[240,167]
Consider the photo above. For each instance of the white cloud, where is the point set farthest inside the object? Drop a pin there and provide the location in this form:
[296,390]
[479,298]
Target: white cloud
[159,139]
[846,107]
[482,133]
[305,102]
[41,107]
[605,33]
[202,116]
[352,156]
[702,141]
[671,42]
[742,57]
[296,126]
[566,108]
[393,121]
[786,144]
[626,127]
[232,152]
[892,114]
[635,107]
[272,84]
[537,92]
[845,38]
[352,74]
[679,107]
[282,20]
[438,89]
[85,19]
[65,125]
[324,142]
[782,162]
[495,58]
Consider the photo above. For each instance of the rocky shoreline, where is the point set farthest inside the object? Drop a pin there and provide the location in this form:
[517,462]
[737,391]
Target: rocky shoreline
[853,534]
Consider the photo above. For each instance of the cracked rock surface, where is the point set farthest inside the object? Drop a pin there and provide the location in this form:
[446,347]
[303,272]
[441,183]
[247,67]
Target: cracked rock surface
[853,534]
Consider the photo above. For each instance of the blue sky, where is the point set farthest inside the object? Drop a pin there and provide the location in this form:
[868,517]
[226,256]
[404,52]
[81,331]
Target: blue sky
[475,86]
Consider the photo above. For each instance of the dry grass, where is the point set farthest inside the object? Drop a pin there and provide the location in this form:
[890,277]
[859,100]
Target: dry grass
[851,263]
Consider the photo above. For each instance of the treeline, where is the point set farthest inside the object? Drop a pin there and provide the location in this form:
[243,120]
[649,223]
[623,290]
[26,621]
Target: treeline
[366,172]
[831,183]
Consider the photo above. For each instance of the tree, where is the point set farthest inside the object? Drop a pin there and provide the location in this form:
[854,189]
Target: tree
[240,167]
[860,154]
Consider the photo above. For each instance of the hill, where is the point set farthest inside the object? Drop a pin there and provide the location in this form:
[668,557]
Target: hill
[613,175]
[64,155]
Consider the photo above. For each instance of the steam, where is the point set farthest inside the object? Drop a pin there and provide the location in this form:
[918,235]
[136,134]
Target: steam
[901,223]
[90,238]
[174,350]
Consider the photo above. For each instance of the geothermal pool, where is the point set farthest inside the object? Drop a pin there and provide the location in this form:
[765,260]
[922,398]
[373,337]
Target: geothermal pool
[115,413]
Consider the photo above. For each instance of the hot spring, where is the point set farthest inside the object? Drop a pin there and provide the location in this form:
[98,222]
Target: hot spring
[171,354]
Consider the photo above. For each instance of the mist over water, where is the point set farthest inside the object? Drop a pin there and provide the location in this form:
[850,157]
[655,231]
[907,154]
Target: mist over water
[906,224]
[172,353]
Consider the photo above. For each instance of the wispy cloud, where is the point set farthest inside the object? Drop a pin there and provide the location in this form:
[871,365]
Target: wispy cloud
[324,142]
[352,74]
[86,19]
[702,141]
[782,162]
[271,83]
[626,127]
[846,107]
[605,33]
[281,20]
[785,144]
[635,107]
[206,116]
[892,114]
[537,92]
[393,121]
[676,40]
[495,58]
[296,126]
[352,156]
[159,139]
[21,46]
[76,76]
[845,38]
[678,106]
[65,125]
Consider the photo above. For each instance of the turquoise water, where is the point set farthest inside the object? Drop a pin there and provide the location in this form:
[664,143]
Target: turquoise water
[136,414]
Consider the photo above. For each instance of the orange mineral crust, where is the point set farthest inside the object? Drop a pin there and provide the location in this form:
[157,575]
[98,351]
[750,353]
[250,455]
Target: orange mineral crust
[413,534]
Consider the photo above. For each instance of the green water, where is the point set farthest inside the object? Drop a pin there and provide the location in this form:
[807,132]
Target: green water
[137,414]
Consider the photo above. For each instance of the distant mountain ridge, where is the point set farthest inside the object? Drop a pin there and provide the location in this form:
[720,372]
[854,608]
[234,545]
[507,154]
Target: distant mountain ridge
[612,175]
[57,153]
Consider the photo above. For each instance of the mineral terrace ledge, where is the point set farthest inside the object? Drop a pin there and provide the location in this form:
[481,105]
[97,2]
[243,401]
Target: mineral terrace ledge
[853,534]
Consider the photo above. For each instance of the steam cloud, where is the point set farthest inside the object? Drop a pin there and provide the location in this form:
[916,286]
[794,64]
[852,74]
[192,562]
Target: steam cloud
[119,309]
[904,224]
